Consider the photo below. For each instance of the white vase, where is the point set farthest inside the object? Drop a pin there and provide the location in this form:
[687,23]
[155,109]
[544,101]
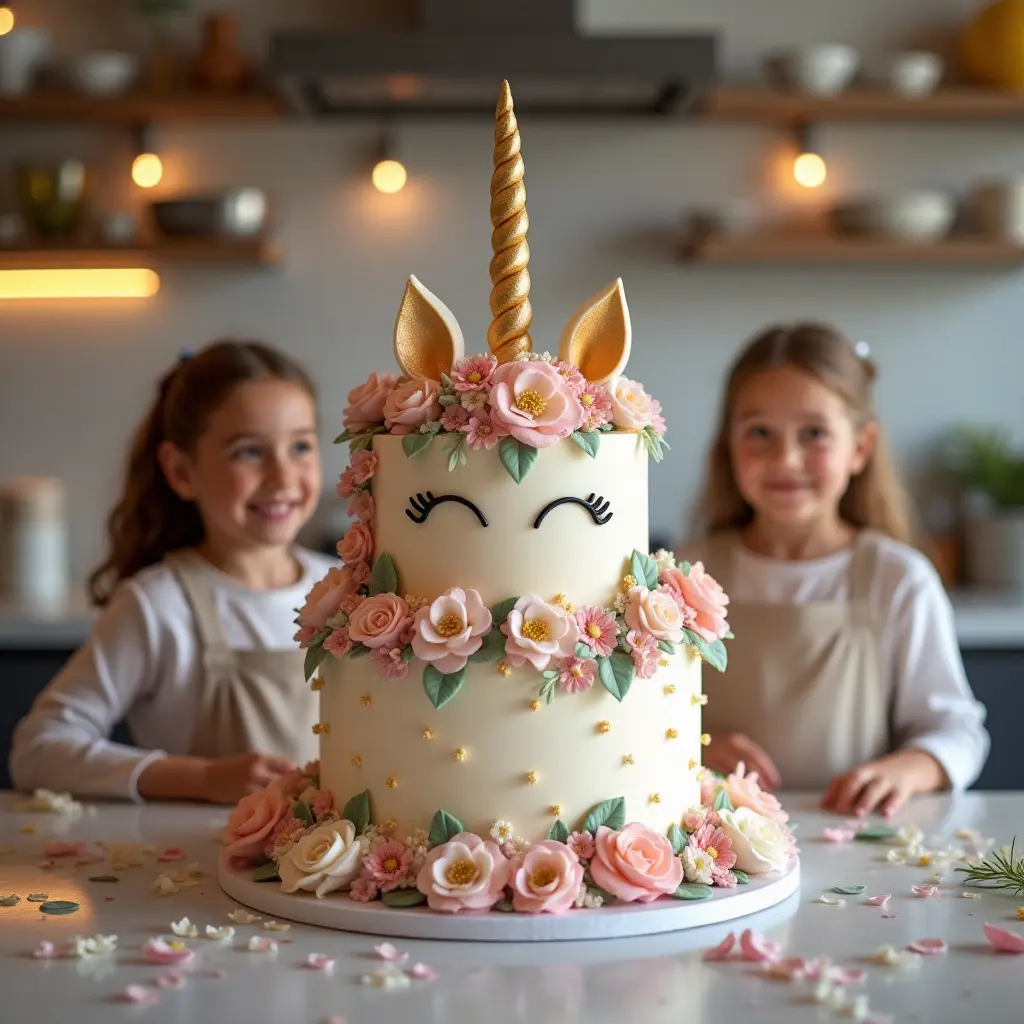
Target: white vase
[22,52]
[999,208]
[994,550]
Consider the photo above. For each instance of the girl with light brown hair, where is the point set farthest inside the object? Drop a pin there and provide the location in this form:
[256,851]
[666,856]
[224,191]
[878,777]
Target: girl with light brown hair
[845,674]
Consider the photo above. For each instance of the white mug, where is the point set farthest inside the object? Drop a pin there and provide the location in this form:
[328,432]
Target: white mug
[22,52]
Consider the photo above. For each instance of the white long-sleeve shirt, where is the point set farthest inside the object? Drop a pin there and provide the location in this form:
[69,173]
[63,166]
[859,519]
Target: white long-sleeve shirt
[142,662]
[933,708]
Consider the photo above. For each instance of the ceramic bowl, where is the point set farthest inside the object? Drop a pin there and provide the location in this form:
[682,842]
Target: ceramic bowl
[915,73]
[103,73]
[824,69]
[917,215]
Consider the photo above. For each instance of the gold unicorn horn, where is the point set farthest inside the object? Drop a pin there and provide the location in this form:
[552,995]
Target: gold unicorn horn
[508,335]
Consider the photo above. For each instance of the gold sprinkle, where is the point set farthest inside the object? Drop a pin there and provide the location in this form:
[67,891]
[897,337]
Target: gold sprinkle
[357,762]
[628,759]
[1020,913]
[628,583]
[391,782]
[555,810]
[505,668]
[563,602]
[699,698]
[416,603]
[535,705]
[428,734]
[27,830]
[669,690]
[390,825]
[460,754]
[691,764]
[532,402]
[705,738]
[366,700]
[692,652]
[322,729]
[536,630]
[317,683]
[450,625]
[663,662]
[671,734]
[531,778]
[655,798]
[603,727]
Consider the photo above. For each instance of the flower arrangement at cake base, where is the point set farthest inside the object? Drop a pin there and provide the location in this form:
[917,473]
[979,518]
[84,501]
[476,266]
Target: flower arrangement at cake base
[290,851]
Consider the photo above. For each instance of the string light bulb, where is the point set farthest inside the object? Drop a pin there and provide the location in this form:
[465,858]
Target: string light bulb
[6,20]
[809,167]
[147,167]
[389,175]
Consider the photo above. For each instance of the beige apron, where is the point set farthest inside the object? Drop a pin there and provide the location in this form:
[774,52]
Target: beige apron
[249,700]
[803,680]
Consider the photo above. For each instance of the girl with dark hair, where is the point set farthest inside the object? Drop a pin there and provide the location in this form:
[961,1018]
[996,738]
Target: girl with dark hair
[194,645]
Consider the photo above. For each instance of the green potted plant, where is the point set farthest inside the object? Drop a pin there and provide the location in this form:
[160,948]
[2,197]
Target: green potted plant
[990,475]
[162,64]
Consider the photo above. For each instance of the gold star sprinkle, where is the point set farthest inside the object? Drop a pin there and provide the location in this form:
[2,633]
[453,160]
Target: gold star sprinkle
[391,782]
[317,683]
[322,729]
[671,734]
[705,738]
[669,690]
[628,583]
[505,668]
[555,810]
[531,778]
[366,700]
[357,762]
[603,727]
[428,734]
[460,754]
[628,759]
[655,798]
[691,764]
[1020,913]
[692,652]
[699,698]
[563,602]
[535,705]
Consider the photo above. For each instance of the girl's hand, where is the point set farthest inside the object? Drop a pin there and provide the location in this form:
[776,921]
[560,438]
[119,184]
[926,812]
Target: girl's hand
[884,785]
[725,752]
[227,779]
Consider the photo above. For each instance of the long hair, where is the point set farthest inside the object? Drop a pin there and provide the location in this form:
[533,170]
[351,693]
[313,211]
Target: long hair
[149,520]
[875,497]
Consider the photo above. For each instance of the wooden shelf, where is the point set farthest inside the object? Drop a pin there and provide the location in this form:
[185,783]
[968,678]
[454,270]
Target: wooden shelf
[778,107]
[140,108]
[255,252]
[820,248]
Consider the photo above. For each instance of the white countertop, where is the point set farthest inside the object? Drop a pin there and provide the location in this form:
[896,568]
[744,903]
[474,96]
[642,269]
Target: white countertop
[983,619]
[639,981]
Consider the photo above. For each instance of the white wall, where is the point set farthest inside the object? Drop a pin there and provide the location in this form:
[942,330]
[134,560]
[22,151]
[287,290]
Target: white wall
[603,199]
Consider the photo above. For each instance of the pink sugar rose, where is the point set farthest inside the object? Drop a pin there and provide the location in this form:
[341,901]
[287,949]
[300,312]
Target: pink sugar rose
[657,420]
[379,621]
[582,844]
[363,466]
[538,631]
[466,873]
[576,675]
[305,635]
[361,573]
[365,407]
[744,790]
[534,403]
[597,629]
[635,864]
[364,890]
[389,663]
[473,373]
[361,507]
[252,820]
[705,596]
[412,404]
[324,600]
[387,865]
[645,653]
[545,878]
[454,418]
[631,405]
[450,629]
[481,431]
[356,545]
[655,612]
[339,643]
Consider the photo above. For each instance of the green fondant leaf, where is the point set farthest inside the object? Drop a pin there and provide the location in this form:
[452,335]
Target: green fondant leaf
[446,381]
[667,647]
[104,878]
[547,688]
[314,656]
[358,651]
[583,651]
[56,907]
[644,570]
[588,440]
[611,813]
[455,445]
[443,827]
[616,673]
[303,813]
[714,654]
[684,568]
[606,427]
[413,444]
[357,810]
[492,649]
[446,400]
[504,906]
[343,436]
[692,891]
[384,578]
[588,878]
[741,876]
[440,687]
[559,832]
[499,611]
[516,457]
[407,654]
[875,834]
[654,443]
[849,890]
[676,838]
[403,898]
[722,801]
[266,873]
[365,439]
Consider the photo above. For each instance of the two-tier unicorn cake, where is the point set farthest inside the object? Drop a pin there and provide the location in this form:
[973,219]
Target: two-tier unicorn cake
[510,685]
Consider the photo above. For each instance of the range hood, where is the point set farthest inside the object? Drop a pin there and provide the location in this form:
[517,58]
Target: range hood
[451,56]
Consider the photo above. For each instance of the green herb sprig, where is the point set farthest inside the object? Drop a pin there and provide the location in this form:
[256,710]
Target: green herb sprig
[999,871]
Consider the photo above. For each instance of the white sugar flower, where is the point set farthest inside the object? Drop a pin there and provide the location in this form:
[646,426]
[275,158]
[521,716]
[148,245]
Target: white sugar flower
[697,865]
[164,885]
[502,831]
[387,977]
[219,934]
[473,400]
[261,944]
[94,945]
[184,928]
[664,559]
[891,957]
[621,600]
[242,916]
[276,926]
[909,835]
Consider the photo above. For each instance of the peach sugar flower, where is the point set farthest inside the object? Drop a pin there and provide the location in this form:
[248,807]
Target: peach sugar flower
[252,821]
[379,621]
[411,404]
[635,864]
[704,595]
[365,406]
[537,630]
[744,790]
[466,873]
[545,878]
[534,403]
[450,629]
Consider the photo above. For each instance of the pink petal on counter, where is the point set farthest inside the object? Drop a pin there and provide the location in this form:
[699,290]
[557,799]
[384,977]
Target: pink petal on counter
[141,995]
[386,951]
[46,951]
[62,849]
[319,962]
[1003,940]
[846,975]
[792,968]
[172,980]
[922,892]
[172,853]
[168,952]
[879,901]
[838,835]
[754,946]
[927,947]
[424,972]
[722,950]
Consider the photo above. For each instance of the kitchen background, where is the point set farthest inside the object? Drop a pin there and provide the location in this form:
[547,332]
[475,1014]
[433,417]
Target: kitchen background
[606,198]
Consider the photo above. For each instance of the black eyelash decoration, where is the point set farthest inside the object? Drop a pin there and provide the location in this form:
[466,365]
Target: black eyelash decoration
[596,507]
[422,506]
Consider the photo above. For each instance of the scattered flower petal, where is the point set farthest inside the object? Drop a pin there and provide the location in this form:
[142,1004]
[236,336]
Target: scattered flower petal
[890,957]
[928,947]
[218,974]
[722,950]
[924,891]
[792,968]
[184,928]
[164,885]
[261,944]
[275,926]
[1003,940]
[242,916]
[46,951]
[388,977]
[971,895]
[141,995]
[172,980]
[10,901]
[846,975]
[172,853]
[386,951]
[838,835]
[879,901]
[849,890]
[220,934]
[168,952]
[424,972]
[37,897]
[754,946]
[83,946]
[319,962]
[62,849]
[832,901]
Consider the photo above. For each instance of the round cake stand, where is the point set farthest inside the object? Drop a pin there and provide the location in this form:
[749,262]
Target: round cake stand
[616,921]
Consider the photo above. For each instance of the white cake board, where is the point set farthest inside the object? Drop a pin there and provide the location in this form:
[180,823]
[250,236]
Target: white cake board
[613,922]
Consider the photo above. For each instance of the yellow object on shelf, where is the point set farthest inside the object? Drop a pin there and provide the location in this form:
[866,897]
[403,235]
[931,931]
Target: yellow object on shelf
[993,46]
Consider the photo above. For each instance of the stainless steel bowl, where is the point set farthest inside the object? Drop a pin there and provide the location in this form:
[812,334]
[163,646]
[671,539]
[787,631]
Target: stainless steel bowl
[237,213]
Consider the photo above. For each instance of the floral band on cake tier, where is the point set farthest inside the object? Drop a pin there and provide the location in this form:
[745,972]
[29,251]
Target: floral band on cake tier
[292,832]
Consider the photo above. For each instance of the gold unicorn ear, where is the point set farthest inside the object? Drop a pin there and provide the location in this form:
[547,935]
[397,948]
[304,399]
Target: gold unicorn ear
[428,338]
[598,337]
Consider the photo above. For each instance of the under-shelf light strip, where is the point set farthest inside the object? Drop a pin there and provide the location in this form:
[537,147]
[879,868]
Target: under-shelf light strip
[84,283]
